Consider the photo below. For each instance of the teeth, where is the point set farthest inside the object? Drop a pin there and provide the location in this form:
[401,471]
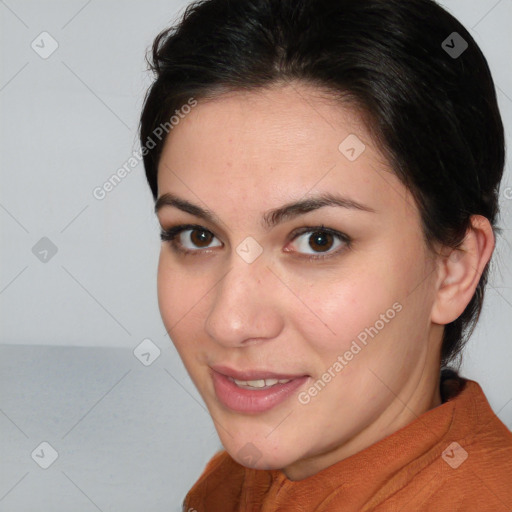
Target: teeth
[252,383]
[260,383]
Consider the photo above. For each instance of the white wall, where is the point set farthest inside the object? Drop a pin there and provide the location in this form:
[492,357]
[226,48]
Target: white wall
[67,124]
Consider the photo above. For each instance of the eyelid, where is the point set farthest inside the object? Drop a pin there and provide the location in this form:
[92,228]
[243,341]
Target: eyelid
[312,229]
[345,239]
[169,235]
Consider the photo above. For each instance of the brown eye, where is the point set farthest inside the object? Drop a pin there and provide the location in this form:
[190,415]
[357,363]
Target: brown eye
[321,241]
[200,237]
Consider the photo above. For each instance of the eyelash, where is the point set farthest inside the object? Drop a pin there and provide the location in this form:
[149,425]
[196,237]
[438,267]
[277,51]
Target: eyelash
[169,236]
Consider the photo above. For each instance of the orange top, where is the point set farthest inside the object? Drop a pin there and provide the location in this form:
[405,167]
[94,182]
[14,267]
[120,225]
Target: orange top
[456,457]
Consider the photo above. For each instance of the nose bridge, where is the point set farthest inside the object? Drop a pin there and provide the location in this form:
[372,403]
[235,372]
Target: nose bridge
[242,307]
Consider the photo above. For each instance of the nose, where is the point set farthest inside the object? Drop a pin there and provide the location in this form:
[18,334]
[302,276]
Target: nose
[245,308]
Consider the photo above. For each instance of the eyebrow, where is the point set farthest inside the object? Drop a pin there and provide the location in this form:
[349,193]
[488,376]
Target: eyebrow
[272,217]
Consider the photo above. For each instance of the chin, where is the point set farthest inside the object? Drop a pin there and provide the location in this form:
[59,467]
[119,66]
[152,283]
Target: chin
[259,453]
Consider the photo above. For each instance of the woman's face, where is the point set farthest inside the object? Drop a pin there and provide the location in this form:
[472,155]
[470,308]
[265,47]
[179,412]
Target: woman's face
[321,313]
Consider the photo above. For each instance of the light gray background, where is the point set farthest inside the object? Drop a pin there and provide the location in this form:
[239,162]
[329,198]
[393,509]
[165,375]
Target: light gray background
[129,437]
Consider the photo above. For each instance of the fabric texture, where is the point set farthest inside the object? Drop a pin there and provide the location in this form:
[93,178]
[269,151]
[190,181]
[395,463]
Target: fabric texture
[456,457]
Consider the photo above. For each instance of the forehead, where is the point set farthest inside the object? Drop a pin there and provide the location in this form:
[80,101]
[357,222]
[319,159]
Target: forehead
[262,148]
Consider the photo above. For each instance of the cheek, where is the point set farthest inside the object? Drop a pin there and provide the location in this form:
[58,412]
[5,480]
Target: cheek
[168,289]
[179,298]
[367,312]
[343,310]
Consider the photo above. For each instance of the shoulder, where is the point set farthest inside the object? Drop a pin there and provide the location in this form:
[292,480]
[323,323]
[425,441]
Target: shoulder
[487,465]
[469,468]
[474,469]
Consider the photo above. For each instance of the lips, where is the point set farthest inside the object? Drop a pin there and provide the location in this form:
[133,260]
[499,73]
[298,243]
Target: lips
[253,391]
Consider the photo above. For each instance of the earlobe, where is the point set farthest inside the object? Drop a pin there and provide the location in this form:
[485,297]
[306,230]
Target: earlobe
[460,271]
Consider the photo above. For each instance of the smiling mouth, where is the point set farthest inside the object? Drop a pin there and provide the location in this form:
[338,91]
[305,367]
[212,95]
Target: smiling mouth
[253,391]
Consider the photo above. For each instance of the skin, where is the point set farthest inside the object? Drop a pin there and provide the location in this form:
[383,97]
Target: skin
[242,154]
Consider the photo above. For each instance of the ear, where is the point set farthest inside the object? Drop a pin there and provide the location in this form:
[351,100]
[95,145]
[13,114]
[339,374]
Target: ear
[459,271]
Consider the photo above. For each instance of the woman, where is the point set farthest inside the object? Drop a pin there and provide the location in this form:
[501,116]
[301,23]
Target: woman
[326,177]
